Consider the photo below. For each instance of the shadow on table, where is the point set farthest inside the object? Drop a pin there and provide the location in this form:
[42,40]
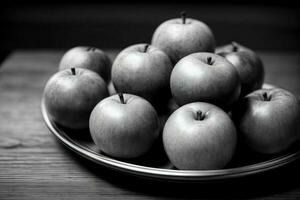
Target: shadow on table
[268,183]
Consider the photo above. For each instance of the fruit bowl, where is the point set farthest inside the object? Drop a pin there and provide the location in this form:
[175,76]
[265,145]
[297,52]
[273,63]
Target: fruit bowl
[155,163]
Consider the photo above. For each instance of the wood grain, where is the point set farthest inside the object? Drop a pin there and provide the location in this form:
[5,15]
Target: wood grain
[34,165]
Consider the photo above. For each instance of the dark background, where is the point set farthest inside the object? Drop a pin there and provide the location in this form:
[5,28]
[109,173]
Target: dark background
[64,24]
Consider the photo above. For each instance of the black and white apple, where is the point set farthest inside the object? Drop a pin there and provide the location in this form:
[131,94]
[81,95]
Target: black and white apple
[199,136]
[71,94]
[87,57]
[124,125]
[247,63]
[143,70]
[183,36]
[205,77]
[268,120]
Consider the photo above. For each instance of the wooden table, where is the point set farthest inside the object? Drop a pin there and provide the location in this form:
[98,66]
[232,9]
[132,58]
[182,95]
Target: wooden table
[34,165]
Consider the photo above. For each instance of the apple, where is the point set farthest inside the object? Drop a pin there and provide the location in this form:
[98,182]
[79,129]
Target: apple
[183,36]
[87,57]
[71,94]
[205,77]
[199,136]
[268,120]
[143,70]
[247,63]
[124,125]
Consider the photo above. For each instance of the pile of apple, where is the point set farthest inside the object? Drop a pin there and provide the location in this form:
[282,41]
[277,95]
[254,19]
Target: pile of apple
[218,92]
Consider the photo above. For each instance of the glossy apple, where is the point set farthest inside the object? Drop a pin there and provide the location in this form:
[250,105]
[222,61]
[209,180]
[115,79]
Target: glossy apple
[205,77]
[124,126]
[199,136]
[87,57]
[183,36]
[143,70]
[70,96]
[268,120]
[247,63]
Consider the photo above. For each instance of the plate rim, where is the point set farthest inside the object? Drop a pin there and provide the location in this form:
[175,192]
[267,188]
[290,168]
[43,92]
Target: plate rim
[166,174]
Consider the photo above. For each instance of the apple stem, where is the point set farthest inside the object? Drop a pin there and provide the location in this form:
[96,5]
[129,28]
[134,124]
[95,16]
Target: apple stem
[234,46]
[265,96]
[121,98]
[183,16]
[91,49]
[73,71]
[146,48]
[209,60]
[200,115]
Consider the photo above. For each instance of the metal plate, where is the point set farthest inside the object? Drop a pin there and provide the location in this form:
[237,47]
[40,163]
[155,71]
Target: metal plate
[156,165]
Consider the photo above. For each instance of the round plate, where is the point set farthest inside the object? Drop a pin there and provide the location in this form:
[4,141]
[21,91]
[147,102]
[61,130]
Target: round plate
[156,165]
